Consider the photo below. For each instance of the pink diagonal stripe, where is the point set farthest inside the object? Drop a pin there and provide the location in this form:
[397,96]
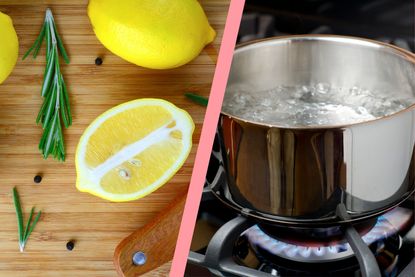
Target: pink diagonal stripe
[206,138]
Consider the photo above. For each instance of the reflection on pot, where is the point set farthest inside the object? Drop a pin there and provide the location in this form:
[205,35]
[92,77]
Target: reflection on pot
[301,174]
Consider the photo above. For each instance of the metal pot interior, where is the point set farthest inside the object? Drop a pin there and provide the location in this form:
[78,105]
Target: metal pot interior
[341,62]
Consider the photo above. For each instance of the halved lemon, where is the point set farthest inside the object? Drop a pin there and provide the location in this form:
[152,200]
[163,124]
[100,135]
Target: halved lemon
[133,149]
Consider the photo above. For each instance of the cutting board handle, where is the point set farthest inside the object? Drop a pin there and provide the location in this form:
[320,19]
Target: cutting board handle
[153,245]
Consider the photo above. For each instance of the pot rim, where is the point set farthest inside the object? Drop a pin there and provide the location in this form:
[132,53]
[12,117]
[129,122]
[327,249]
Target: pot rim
[362,41]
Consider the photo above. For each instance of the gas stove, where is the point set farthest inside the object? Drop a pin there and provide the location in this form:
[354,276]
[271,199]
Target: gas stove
[226,243]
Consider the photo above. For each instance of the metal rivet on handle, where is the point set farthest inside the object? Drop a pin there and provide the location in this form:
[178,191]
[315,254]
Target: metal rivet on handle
[139,258]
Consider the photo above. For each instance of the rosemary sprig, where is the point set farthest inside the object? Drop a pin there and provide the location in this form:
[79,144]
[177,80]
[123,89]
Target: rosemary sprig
[24,233]
[197,98]
[55,109]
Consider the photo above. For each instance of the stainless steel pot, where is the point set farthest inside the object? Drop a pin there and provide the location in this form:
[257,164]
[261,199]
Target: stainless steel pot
[301,175]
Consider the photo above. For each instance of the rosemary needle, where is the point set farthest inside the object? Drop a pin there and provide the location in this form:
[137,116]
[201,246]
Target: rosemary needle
[197,98]
[19,215]
[24,233]
[55,109]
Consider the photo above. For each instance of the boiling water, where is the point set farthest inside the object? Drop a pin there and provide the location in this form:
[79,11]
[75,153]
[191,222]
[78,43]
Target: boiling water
[300,106]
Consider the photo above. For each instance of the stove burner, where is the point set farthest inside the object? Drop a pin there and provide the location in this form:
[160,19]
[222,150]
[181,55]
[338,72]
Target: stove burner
[301,253]
[315,236]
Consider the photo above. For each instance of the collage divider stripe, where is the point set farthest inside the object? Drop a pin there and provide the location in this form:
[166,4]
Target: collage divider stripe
[217,92]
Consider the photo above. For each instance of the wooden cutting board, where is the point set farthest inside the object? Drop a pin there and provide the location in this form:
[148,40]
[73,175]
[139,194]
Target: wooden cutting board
[96,225]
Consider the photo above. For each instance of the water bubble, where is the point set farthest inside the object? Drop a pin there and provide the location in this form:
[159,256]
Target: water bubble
[266,102]
[322,88]
[355,91]
[361,110]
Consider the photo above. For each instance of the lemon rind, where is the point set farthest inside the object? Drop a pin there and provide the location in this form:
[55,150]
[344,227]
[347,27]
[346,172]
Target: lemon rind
[85,185]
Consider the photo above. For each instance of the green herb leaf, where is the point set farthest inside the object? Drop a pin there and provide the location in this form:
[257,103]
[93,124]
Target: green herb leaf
[67,105]
[23,234]
[60,45]
[63,107]
[37,44]
[50,140]
[49,75]
[42,111]
[19,215]
[54,91]
[32,227]
[48,38]
[51,106]
[197,98]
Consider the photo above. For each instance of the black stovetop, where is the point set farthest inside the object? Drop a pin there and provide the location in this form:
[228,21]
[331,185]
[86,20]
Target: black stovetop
[221,240]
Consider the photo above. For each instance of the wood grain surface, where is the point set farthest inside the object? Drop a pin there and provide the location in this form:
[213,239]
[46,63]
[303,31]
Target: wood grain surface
[160,271]
[157,240]
[96,225]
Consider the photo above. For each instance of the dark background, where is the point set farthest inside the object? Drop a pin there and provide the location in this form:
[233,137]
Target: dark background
[390,21]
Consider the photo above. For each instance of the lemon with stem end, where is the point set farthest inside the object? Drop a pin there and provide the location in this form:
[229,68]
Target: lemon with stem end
[158,34]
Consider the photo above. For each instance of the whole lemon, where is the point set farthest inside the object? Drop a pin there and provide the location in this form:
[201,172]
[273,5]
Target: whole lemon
[158,34]
[9,46]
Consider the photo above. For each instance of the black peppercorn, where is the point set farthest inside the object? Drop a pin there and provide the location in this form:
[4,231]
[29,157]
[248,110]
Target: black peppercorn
[37,179]
[70,245]
[98,61]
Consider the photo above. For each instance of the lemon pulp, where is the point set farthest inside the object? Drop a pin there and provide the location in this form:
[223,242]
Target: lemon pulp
[133,149]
